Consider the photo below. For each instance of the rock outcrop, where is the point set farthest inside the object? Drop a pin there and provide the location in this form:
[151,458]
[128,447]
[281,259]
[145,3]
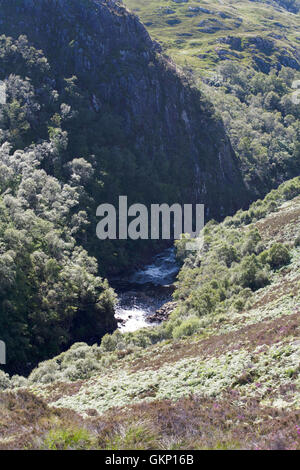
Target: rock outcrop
[166,121]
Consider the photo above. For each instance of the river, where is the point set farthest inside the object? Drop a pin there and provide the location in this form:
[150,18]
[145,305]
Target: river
[145,291]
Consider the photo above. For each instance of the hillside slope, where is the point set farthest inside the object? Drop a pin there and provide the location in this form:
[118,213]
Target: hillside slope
[90,110]
[244,56]
[223,371]
[261,33]
[130,113]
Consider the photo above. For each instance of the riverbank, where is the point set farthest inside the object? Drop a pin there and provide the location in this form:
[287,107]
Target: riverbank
[143,295]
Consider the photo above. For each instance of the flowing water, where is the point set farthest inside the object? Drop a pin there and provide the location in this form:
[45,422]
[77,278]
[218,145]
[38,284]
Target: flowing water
[145,291]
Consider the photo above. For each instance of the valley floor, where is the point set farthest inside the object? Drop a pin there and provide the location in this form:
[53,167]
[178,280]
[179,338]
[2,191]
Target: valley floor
[234,384]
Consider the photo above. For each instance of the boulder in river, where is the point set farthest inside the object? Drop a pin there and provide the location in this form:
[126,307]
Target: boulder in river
[163,313]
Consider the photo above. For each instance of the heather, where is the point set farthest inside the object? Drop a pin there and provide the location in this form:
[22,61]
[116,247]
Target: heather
[190,423]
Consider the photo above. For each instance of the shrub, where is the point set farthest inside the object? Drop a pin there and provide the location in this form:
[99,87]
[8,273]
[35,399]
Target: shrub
[18,381]
[4,381]
[239,304]
[297,241]
[228,254]
[205,300]
[112,342]
[137,436]
[251,273]
[187,327]
[278,256]
[251,243]
[46,372]
[69,439]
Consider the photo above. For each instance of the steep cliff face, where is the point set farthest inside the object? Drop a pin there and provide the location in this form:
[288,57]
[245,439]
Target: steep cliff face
[101,42]
[178,148]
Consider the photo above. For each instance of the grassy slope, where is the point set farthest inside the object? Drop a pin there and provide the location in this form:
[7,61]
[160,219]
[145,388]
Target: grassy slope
[248,37]
[233,384]
[199,47]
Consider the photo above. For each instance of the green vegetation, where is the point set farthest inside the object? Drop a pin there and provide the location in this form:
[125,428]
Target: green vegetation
[221,373]
[244,56]
[114,133]
[215,288]
[68,439]
[200,34]
[222,279]
[86,120]
[242,256]
[190,423]
[66,147]
[50,293]
[261,120]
